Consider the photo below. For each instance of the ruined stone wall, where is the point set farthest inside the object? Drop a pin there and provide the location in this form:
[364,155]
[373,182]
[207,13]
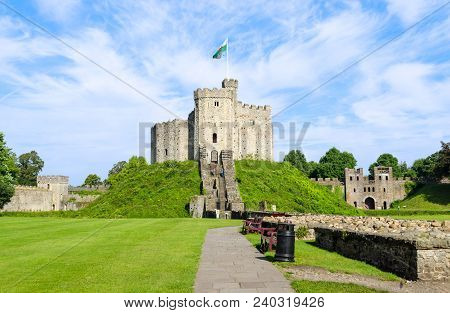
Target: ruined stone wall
[30,199]
[332,182]
[409,258]
[170,141]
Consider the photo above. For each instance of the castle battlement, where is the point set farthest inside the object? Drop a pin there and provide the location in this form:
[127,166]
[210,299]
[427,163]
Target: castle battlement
[255,107]
[20,187]
[48,179]
[213,93]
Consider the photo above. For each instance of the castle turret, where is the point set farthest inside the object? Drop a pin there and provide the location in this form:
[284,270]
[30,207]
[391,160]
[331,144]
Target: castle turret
[59,185]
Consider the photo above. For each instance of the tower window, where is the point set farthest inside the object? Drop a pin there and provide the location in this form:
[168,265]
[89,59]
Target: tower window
[364,189]
[355,204]
[380,177]
[373,189]
[357,177]
[216,103]
[351,178]
[384,189]
[387,178]
[214,138]
[354,189]
[165,151]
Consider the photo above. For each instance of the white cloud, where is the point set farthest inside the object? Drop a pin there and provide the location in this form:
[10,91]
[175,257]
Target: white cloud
[58,10]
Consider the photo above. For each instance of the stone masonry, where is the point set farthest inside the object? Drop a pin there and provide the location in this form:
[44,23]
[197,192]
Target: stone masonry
[363,192]
[49,195]
[219,122]
[412,249]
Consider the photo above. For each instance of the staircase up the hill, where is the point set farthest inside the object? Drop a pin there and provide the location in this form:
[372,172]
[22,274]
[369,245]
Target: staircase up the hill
[219,186]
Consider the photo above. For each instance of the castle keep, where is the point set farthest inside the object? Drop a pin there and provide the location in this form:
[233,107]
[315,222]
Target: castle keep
[218,131]
[219,122]
[363,192]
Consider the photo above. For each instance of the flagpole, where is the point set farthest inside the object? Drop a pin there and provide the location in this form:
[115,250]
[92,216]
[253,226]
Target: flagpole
[228,53]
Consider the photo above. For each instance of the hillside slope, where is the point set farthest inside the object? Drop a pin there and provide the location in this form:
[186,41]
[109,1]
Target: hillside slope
[435,197]
[286,187]
[148,190]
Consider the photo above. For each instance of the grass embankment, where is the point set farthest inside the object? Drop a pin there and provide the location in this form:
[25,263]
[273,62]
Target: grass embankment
[286,187]
[307,254]
[429,202]
[101,255]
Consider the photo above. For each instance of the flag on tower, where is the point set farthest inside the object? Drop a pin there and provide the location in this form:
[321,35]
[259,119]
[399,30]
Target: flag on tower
[223,47]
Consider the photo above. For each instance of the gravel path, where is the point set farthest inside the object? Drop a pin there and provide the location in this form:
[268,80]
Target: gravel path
[229,263]
[320,274]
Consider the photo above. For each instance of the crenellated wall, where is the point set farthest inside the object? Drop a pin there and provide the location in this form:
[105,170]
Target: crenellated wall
[218,122]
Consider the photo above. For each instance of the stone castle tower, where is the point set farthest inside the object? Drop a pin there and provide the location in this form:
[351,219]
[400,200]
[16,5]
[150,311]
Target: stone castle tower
[219,122]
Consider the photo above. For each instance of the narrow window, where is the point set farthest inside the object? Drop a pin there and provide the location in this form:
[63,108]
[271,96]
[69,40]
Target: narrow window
[387,178]
[380,177]
[351,178]
[216,103]
[385,205]
[364,189]
[357,177]
[384,189]
[355,204]
[165,151]
[354,189]
[214,138]
[373,189]
[48,186]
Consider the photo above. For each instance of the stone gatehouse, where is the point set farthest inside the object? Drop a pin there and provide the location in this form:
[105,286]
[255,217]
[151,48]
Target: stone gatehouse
[369,193]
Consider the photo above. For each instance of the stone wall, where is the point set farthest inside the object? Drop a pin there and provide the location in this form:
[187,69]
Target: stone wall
[413,249]
[218,122]
[169,141]
[30,199]
[418,258]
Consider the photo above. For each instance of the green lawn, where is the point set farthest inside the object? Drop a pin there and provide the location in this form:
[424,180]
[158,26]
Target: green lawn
[433,197]
[306,286]
[101,255]
[309,255]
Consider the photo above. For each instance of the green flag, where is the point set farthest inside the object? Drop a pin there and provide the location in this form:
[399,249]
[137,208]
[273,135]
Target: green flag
[223,47]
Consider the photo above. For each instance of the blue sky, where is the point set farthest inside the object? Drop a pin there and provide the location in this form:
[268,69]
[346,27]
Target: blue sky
[81,120]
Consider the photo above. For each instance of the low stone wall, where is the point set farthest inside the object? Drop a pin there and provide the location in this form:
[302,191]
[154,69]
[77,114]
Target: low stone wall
[30,199]
[423,257]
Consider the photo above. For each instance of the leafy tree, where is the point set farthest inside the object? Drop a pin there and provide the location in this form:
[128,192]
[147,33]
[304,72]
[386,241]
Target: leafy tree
[333,164]
[442,167]
[8,172]
[92,180]
[298,160]
[29,164]
[117,168]
[388,160]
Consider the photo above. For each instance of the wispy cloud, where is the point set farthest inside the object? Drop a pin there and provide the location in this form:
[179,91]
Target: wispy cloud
[82,120]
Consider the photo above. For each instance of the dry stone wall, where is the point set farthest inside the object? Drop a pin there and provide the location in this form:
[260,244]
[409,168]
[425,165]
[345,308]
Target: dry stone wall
[412,249]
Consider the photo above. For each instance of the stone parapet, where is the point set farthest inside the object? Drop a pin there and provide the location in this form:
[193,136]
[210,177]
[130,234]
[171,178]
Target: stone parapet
[407,257]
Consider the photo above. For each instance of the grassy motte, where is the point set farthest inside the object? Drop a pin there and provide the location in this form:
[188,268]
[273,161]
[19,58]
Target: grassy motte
[306,286]
[148,190]
[433,197]
[307,254]
[101,255]
[286,187]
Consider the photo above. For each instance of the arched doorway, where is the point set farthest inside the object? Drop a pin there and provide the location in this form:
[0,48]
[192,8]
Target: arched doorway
[214,156]
[369,203]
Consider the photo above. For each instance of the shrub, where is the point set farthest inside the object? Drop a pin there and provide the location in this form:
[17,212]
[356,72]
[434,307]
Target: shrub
[301,232]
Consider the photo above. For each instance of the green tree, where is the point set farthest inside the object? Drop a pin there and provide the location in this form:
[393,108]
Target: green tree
[388,160]
[442,166]
[298,160]
[29,165]
[8,172]
[117,168]
[333,164]
[92,180]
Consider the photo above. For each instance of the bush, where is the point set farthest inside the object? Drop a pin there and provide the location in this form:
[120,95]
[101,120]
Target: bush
[301,232]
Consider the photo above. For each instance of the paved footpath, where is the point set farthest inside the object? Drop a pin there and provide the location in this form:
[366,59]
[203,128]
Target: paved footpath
[229,263]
